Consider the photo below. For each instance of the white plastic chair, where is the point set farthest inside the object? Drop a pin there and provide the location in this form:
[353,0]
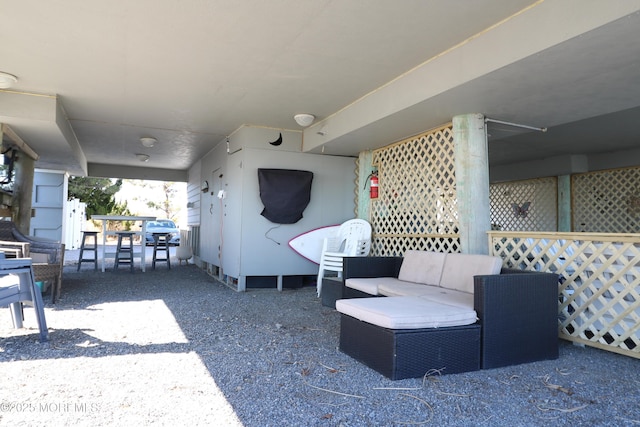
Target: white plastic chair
[353,239]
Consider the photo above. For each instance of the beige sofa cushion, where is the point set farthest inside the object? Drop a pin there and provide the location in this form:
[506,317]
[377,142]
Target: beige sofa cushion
[428,292]
[449,297]
[422,267]
[459,270]
[398,288]
[368,285]
[406,312]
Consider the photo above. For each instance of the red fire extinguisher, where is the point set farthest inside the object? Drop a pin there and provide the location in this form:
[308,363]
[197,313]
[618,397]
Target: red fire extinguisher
[373,185]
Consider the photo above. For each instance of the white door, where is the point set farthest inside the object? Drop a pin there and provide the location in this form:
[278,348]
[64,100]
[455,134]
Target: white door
[48,202]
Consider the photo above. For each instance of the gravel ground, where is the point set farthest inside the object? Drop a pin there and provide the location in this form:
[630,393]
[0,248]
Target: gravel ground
[177,347]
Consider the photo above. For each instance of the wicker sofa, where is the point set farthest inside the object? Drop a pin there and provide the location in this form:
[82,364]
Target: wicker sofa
[447,312]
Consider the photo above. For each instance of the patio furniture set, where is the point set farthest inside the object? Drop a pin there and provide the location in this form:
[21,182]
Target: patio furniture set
[125,252]
[28,265]
[443,312]
[402,316]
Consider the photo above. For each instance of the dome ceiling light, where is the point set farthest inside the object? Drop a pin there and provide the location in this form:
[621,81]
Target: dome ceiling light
[7,80]
[148,141]
[304,119]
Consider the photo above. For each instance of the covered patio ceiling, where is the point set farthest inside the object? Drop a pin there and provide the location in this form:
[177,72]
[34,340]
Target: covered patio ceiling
[95,77]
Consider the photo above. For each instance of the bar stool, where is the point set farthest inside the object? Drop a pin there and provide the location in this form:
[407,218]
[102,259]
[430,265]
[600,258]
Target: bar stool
[85,246]
[125,249]
[161,244]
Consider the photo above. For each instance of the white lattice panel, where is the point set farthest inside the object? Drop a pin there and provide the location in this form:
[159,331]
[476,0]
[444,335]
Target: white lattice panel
[416,207]
[599,286]
[607,201]
[529,205]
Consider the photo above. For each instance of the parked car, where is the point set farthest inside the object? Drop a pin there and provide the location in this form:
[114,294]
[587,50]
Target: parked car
[163,226]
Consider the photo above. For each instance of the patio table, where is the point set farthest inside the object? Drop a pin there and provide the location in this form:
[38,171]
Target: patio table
[143,230]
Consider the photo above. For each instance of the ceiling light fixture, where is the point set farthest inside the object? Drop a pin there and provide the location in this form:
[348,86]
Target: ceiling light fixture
[304,119]
[7,80]
[142,157]
[148,141]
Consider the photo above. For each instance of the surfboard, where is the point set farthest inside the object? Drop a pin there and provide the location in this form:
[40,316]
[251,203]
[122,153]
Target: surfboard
[309,244]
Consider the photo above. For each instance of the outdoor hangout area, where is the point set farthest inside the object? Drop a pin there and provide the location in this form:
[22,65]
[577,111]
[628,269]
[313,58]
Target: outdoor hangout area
[179,346]
[403,309]
[440,229]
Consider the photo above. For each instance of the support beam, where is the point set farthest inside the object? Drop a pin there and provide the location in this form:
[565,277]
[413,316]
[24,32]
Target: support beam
[34,115]
[472,182]
[423,106]
[134,172]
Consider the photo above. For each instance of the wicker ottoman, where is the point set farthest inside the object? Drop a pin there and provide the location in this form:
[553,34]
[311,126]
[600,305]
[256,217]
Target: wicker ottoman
[411,353]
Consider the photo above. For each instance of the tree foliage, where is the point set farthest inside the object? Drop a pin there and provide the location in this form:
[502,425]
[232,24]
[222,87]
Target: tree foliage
[159,196]
[98,194]
[166,205]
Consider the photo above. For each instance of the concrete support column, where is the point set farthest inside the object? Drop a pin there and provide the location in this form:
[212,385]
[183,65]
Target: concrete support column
[564,203]
[472,182]
[365,167]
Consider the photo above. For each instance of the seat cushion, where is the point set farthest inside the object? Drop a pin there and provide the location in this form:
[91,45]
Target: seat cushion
[422,267]
[459,270]
[431,293]
[406,312]
[398,288]
[369,285]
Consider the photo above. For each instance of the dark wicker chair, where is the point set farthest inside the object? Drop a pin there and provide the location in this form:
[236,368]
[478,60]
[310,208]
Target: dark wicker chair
[47,255]
[518,323]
